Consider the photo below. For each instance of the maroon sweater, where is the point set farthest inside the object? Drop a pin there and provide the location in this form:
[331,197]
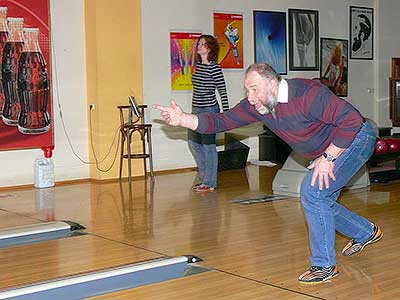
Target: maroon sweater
[312,119]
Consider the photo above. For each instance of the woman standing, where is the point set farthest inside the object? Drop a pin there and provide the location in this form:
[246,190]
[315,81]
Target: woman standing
[206,79]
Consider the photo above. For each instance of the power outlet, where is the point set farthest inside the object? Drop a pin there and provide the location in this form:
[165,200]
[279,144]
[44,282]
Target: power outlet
[91,106]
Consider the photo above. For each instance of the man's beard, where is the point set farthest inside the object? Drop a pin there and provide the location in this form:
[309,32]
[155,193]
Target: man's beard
[269,107]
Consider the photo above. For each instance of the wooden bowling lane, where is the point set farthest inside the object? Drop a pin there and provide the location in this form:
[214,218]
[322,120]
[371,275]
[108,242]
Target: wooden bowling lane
[10,219]
[209,285]
[65,202]
[50,260]
[266,242]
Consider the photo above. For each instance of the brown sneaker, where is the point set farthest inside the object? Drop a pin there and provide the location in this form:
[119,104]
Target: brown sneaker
[318,274]
[353,248]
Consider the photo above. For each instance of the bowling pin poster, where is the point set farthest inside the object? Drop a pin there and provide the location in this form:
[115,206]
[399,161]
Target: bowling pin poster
[228,29]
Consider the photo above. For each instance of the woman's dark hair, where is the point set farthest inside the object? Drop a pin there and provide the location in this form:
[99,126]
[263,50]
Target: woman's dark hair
[212,44]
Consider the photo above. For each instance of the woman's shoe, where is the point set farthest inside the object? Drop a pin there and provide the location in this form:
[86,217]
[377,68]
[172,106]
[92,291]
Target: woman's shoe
[204,188]
[196,186]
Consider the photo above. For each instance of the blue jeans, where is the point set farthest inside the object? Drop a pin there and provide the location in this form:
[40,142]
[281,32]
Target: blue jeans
[204,150]
[324,215]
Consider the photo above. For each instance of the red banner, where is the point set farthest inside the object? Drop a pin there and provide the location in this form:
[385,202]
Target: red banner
[25,84]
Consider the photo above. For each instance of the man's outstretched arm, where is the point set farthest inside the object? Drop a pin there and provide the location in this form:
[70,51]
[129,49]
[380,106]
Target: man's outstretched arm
[174,116]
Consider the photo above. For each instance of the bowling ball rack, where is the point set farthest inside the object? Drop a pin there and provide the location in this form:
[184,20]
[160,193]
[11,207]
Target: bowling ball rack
[387,174]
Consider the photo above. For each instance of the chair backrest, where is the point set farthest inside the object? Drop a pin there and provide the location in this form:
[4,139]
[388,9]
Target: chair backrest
[132,113]
[128,117]
[134,109]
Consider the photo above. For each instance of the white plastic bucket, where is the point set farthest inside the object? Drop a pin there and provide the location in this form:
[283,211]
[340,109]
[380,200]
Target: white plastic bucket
[44,173]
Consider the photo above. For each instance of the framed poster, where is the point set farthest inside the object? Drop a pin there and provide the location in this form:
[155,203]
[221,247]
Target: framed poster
[361,33]
[334,65]
[270,39]
[26,110]
[183,59]
[303,40]
[228,29]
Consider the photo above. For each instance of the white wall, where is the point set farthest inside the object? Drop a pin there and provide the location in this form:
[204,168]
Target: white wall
[69,88]
[388,47]
[160,17]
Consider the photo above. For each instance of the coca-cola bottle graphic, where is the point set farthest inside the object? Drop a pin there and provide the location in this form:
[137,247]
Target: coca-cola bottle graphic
[3,39]
[33,86]
[9,69]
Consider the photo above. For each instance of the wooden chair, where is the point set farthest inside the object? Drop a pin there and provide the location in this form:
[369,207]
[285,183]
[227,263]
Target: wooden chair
[131,124]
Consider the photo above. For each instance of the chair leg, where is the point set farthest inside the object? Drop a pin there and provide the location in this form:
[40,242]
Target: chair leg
[128,143]
[145,132]
[150,154]
[122,155]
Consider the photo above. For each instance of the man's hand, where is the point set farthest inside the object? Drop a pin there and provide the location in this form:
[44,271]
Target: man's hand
[171,114]
[323,169]
[174,115]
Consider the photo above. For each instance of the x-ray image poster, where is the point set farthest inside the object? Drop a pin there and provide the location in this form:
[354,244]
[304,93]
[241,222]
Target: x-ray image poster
[183,59]
[228,28]
[26,119]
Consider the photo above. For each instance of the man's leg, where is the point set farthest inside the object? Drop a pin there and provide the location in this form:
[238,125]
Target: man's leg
[322,212]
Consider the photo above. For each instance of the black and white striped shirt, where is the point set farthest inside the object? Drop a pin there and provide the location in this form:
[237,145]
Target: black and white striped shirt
[206,79]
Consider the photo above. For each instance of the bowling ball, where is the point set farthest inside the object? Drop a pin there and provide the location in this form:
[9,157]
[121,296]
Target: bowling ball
[393,145]
[381,147]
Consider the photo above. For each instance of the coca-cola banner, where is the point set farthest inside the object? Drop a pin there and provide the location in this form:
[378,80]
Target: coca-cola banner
[26,112]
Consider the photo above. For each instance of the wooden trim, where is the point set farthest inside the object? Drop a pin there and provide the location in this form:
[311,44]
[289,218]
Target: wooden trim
[58,183]
[94,180]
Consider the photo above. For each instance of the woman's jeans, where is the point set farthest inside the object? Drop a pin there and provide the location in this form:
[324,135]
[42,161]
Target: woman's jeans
[204,150]
[324,215]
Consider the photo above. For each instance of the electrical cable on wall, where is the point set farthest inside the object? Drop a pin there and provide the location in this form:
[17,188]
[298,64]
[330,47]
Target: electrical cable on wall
[97,161]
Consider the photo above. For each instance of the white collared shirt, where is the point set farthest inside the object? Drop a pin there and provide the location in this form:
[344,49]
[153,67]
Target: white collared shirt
[283,92]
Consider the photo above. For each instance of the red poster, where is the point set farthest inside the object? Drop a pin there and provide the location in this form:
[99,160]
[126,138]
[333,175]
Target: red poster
[26,108]
[228,28]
